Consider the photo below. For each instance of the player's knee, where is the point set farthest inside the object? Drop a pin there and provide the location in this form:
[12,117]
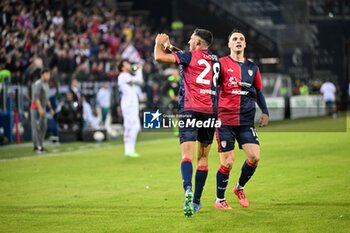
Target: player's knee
[227,159]
[202,160]
[228,162]
[202,155]
[187,157]
[187,154]
[254,158]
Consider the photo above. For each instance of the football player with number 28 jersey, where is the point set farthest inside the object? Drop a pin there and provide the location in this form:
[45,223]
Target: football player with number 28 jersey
[199,71]
[240,89]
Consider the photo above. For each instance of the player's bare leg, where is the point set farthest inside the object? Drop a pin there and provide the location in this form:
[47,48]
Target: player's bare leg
[252,152]
[201,173]
[187,151]
[222,177]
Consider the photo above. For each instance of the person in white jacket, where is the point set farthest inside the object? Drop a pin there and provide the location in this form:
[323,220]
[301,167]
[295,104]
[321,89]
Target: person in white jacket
[129,87]
[328,91]
[103,100]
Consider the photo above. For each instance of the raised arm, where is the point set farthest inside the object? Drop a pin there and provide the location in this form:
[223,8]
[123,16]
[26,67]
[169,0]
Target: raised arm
[159,54]
[138,77]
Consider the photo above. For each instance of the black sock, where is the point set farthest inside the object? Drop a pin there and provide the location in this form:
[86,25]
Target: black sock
[186,172]
[201,177]
[247,172]
[221,181]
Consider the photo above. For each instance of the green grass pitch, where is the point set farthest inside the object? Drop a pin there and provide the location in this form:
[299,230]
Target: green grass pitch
[301,185]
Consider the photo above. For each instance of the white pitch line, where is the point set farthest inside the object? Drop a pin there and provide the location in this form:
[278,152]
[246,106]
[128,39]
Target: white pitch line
[71,152]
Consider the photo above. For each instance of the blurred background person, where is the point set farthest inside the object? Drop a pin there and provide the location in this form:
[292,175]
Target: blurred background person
[40,99]
[173,87]
[328,91]
[129,86]
[91,118]
[68,113]
[103,100]
[303,89]
[74,89]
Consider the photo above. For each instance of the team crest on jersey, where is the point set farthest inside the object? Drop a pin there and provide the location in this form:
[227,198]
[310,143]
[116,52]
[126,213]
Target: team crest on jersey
[223,144]
[250,72]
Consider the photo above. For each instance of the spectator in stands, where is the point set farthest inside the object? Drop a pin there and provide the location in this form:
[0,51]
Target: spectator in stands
[58,20]
[67,113]
[173,88]
[303,89]
[83,42]
[90,116]
[74,89]
[296,88]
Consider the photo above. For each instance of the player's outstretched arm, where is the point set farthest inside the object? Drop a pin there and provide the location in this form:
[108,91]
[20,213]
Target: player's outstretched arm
[159,49]
[264,118]
[138,77]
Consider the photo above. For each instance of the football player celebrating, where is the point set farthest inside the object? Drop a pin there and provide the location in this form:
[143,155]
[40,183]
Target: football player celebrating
[240,88]
[199,70]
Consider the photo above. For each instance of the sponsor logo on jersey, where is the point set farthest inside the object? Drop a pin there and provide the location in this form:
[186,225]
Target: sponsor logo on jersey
[233,81]
[239,92]
[207,91]
[229,70]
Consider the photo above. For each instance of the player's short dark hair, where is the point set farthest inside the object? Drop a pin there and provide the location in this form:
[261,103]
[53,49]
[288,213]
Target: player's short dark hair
[121,64]
[235,30]
[205,35]
[45,70]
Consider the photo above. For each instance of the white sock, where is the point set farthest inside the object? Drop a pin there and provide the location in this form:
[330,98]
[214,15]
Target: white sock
[129,148]
[239,187]
[220,199]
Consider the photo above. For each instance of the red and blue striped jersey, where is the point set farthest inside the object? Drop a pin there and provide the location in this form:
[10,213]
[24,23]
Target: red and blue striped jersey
[199,71]
[239,84]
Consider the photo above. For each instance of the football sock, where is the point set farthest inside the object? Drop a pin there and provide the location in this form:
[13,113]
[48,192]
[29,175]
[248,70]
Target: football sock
[201,177]
[239,187]
[220,199]
[247,172]
[186,172]
[221,181]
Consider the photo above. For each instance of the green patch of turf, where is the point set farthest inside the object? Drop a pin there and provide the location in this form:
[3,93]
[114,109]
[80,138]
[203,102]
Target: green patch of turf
[299,186]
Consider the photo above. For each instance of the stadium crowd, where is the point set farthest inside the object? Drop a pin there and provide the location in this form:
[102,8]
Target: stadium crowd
[84,40]
[78,40]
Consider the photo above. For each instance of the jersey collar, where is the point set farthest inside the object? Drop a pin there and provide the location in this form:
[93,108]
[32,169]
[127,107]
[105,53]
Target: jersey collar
[245,59]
